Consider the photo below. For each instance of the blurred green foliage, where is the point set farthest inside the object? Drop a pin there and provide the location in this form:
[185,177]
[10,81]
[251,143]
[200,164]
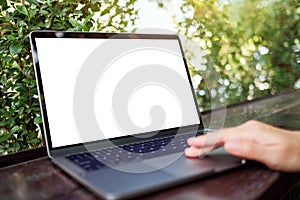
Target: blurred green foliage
[248,49]
[20,120]
[254,45]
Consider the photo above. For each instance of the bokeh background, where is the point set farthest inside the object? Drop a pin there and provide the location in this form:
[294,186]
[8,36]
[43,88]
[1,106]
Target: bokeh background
[253,45]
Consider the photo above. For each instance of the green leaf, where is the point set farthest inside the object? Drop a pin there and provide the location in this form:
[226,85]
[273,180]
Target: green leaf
[3,3]
[35,141]
[75,23]
[15,48]
[11,37]
[78,12]
[2,49]
[4,137]
[14,129]
[7,58]
[44,12]
[58,26]
[87,19]
[3,122]
[10,122]
[3,112]
[3,79]
[27,120]
[32,12]
[21,111]
[22,9]
[96,7]
[37,109]
[34,27]
[17,146]
[35,2]
[37,120]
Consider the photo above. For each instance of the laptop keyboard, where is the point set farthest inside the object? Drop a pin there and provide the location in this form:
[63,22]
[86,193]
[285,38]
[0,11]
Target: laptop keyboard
[129,153]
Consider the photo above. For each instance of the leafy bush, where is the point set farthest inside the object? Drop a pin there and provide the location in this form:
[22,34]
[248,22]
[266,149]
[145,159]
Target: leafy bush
[20,120]
[253,44]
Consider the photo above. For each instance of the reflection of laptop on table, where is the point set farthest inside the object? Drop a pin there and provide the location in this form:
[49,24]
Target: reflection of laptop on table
[117,110]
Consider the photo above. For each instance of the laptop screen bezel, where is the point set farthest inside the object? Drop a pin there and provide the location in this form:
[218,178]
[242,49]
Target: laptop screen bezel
[106,142]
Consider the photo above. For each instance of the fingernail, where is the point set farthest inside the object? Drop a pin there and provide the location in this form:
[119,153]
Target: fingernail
[192,152]
[190,140]
[189,152]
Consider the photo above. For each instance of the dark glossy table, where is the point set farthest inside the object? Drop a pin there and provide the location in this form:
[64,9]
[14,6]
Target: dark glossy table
[31,175]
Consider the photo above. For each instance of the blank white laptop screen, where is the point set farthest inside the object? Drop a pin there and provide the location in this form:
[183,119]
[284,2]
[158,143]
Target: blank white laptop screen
[61,60]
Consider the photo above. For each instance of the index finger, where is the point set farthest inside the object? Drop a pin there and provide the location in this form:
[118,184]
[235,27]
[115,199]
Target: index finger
[214,139]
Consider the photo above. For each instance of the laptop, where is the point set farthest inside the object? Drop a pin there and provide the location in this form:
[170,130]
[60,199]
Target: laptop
[117,109]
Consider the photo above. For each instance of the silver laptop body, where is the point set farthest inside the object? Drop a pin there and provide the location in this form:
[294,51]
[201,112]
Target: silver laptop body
[117,110]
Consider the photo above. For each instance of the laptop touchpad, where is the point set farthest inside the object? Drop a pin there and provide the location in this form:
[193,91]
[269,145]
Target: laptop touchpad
[180,166]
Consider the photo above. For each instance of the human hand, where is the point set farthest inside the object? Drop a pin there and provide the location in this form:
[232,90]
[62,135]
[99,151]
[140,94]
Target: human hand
[277,148]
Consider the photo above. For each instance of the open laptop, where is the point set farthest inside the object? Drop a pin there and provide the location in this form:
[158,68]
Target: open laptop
[117,110]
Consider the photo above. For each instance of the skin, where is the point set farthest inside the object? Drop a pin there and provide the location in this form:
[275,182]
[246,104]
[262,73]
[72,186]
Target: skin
[277,148]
